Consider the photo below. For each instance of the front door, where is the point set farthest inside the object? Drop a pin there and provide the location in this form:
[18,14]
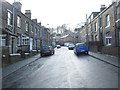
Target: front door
[31,44]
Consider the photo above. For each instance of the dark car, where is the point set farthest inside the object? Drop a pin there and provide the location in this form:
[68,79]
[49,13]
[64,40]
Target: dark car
[47,50]
[80,48]
[71,46]
[58,46]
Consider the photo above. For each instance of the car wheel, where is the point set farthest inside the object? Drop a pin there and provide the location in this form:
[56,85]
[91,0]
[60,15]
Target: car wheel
[87,52]
[42,54]
[53,52]
[77,53]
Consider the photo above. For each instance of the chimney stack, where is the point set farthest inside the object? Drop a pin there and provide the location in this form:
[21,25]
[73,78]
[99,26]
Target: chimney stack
[39,23]
[113,1]
[17,5]
[34,20]
[28,13]
[102,7]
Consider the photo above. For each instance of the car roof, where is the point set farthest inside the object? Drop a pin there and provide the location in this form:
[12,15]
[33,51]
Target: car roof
[80,43]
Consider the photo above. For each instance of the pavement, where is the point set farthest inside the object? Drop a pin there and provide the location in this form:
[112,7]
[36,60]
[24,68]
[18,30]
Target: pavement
[13,67]
[113,60]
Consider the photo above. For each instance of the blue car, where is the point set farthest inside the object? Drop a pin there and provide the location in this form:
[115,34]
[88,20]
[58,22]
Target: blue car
[80,48]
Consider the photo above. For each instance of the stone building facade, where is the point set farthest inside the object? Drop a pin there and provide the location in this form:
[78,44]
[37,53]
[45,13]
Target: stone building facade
[102,29]
[20,33]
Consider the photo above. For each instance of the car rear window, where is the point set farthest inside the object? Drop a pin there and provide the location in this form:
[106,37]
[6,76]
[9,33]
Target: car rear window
[81,45]
[45,47]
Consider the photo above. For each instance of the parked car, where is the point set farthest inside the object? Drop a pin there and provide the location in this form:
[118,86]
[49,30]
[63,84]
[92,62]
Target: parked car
[47,50]
[80,48]
[71,46]
[58,46]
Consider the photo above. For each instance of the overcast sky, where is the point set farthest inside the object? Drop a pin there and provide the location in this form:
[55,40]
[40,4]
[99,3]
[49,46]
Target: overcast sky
[58,12]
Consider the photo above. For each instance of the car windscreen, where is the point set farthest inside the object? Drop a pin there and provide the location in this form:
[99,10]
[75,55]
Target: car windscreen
[45,48]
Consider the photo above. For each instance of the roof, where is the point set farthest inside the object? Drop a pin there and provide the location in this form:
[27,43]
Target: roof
[64,36]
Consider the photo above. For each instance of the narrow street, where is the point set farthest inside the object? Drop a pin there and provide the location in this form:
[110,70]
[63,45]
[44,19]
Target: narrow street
[64,70]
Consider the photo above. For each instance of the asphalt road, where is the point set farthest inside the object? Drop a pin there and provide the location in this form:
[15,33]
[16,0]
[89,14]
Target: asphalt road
[64,70]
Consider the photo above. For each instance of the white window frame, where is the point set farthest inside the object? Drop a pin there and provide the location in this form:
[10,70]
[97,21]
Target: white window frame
[25,40]
[35,31]
[26,26]
[107,20]
[95,26]
[108,41]
[118,12]
[9,18]
[31,26]
[3,39]
[18,21]
[18,40]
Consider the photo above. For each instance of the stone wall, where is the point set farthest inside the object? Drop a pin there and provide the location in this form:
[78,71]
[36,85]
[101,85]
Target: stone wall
[98,47]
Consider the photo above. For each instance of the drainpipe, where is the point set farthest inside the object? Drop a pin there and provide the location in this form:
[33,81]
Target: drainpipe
[114,10]
[13,29]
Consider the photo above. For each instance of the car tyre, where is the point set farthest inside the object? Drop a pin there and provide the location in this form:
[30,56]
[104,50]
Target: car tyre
[42,54]
[53,52]
[87,52]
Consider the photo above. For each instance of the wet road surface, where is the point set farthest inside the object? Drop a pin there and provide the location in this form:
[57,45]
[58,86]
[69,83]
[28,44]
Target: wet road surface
[64,70]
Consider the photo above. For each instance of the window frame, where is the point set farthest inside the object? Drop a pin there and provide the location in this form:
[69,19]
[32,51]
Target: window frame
[32,28]
[95,26]
[9,18]
[107,20]
[118,12]
[25,40]
[35,30]
[19,21]
[26,26]
[108,39]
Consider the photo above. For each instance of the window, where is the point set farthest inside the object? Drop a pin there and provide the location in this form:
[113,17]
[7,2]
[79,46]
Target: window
[95,26]
[18,41]
[31,28]
[108,38]
[27,26]
[18,21]
[35,43]
[3,41]
[35,31]
[96,37]
[118,12]
[107,20]
[108,41]
[10,18]
[25,40]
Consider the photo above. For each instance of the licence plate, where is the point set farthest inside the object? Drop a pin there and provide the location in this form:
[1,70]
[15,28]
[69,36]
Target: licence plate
[82,50]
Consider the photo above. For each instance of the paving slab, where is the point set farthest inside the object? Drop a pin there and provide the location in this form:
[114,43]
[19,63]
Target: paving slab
[106,58]
[15,66]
